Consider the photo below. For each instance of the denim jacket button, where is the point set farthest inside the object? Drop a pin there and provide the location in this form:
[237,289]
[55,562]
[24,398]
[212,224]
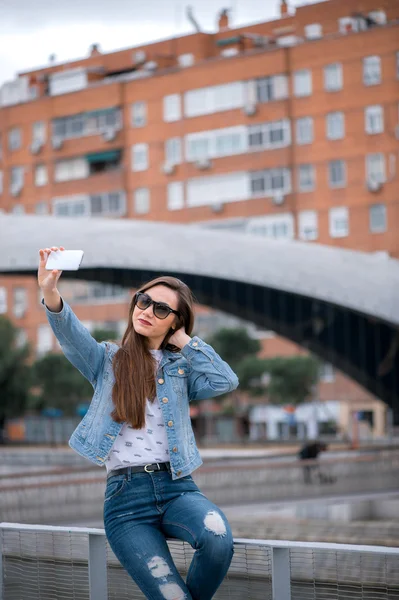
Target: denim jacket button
[174,448]
[178,473]
[161,381]
[195,344]
[181,371]
[170,423]
[165,400]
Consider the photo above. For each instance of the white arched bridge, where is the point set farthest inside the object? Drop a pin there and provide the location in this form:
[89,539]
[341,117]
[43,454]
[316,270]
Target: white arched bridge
[340,304]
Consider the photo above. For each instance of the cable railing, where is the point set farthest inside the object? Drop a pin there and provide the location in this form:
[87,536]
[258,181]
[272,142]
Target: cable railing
[40,562]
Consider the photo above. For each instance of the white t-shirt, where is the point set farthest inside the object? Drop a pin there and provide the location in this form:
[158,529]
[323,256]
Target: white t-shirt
[138,447]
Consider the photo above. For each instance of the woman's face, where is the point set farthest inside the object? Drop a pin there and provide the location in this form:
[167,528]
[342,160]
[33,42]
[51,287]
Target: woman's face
[147,324]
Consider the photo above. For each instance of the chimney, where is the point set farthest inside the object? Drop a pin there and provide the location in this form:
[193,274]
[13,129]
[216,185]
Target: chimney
[95,50]
[284,8]
[224,19]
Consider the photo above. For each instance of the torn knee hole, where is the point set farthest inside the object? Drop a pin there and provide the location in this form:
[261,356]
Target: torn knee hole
[213,522]
[171,591]
[159,567]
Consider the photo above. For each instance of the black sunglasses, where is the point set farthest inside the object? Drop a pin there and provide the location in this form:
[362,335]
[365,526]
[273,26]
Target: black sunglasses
[161,310]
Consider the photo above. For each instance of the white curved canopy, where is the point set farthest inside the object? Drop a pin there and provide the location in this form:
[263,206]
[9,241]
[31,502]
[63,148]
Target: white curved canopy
[362,282]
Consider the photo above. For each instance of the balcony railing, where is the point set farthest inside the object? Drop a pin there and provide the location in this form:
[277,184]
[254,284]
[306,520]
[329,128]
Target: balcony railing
[62,563]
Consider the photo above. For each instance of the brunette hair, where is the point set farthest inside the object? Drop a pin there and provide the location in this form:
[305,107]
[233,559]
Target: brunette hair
[133,364]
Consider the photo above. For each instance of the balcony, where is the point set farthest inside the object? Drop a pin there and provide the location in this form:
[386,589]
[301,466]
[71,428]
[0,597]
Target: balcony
[45,562]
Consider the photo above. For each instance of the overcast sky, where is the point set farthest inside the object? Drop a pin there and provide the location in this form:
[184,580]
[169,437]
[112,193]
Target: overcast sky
[31,30]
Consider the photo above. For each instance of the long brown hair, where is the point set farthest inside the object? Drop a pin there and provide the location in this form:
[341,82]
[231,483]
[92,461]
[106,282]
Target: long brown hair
[133,364]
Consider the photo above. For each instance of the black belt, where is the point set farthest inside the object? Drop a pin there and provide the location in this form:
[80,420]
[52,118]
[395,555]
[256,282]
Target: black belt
[150,468]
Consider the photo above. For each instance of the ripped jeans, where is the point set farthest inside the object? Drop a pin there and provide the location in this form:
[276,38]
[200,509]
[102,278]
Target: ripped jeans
[141,510]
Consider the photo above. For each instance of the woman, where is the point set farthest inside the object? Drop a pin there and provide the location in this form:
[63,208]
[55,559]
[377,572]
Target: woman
[138,426]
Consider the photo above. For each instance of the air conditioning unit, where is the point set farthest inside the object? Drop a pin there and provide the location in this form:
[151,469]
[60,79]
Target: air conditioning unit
[109,134]
[57,142]
[139,57]
[373,185]
[151,65]
[36,146]
[217,207]
[168,168]
[203,164]
[16,189]
[250,109]
[278,199]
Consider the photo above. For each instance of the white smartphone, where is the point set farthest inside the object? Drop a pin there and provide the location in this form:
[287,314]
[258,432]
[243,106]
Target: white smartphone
[64,260]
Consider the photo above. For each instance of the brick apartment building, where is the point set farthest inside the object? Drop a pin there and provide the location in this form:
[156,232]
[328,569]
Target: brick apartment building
[286,128]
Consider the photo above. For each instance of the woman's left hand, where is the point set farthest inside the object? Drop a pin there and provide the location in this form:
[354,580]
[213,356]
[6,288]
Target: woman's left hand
[179,338]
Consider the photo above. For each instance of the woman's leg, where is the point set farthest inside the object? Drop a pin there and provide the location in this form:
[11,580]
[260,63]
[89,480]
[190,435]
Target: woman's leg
[193,518]
[143,552]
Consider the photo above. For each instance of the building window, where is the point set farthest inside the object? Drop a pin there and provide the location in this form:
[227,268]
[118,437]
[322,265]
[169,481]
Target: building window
[186,60]
[275,134]
[229,141]
[303,83]
[374,119]
[218,189]
[175,195]
[72,206]
[142,201]
[304,130]
[335,126]
[270,88]
[45,339]
[108,204]
[271,182]
[278,227]
[14,138]
[3,300]
[139,114]
[68,170]
[39,132]
[337,173]
[378,218]
[173,153]
[198,146]
[333,80]
[18,209]
[307,225]
[339,222]
[20,302]
[327,373]
[90,123]
[41,208]
[140,160]
[16,180]
[375,167]
[213,99]
[172,108]
[371,70]
[41,175]
[306,178]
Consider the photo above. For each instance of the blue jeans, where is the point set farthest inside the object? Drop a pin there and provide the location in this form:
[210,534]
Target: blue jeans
[141,510]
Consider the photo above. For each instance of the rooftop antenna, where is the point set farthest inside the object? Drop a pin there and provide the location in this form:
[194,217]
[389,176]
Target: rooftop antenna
[192,19]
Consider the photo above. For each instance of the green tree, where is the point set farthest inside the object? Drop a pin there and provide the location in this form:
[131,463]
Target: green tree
[291,378]
[14,374]
[59,384]
[234,345]
[104,335]
[251,372]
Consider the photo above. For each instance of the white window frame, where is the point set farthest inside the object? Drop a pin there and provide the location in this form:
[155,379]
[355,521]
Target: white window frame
[332,165]
[268,177]
[18,209]
[374,119]
[277,227]
[3,300]
[14,139]
[39,132]
[142,200]
[17,175]
[175,195]
[107,204]
[327,373]
[302,125]
[381,225]
[338,218]
[375,167]
[333,78]
[140,158]
[20,302]
[172,108]
[45,339]
[173,151]
[217,190]
[139,114]
[186,60]
[71,169]
[372,70]
[75,206]
[306,177]
[41,175]
[41,208]
[308,229]
[302,83]
[266,131]
[214,99]
[335,125]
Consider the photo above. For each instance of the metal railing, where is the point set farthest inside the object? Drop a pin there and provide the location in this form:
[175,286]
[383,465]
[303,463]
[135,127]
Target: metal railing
[39,562]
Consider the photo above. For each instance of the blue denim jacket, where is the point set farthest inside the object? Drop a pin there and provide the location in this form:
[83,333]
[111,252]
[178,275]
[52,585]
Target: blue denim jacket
[196,373]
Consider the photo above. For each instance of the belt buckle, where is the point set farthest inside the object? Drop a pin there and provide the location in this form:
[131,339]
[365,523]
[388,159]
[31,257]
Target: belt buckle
[149,465]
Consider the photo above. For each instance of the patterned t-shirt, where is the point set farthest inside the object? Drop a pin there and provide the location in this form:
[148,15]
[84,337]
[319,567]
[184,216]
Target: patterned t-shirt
[137,447]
